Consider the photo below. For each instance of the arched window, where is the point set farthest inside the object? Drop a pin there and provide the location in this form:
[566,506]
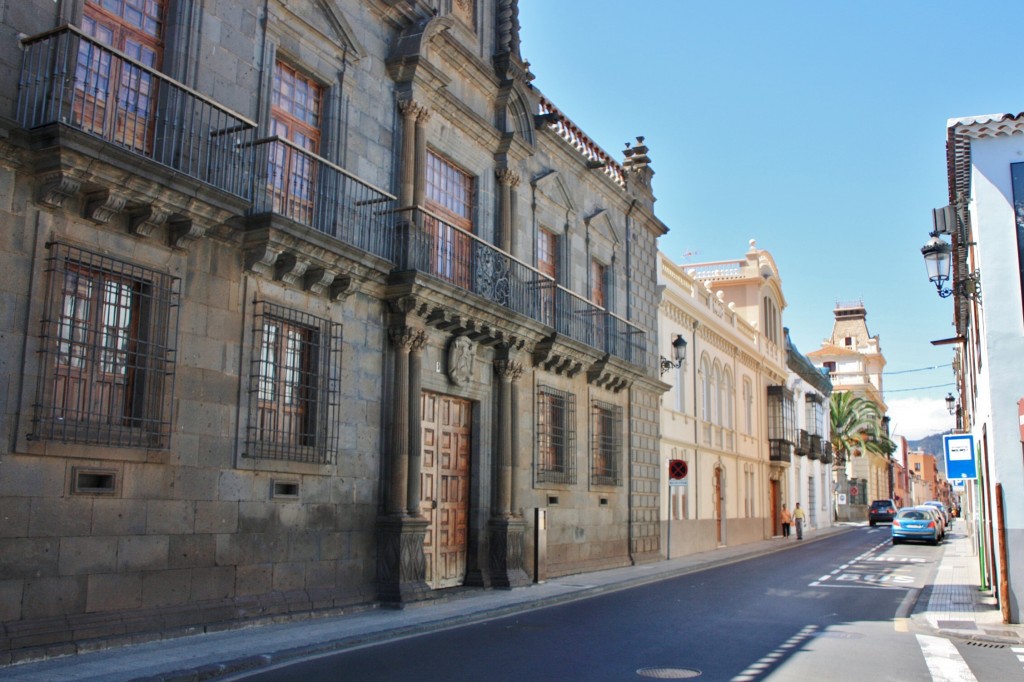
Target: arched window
[719,388]
[705,389]
[748,406]
[728,418]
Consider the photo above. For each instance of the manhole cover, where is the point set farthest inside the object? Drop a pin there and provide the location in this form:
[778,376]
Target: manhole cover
[668,673]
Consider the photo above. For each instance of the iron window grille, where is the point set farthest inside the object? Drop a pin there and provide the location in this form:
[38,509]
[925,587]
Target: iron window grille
[815,415]
[606,444]
[556,436]
[294,386]
[781,414]
[107,346]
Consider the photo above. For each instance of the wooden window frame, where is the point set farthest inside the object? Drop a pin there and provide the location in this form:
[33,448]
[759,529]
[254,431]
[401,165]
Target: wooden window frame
[296,115]
[116,98]
[450,196]
[548,257]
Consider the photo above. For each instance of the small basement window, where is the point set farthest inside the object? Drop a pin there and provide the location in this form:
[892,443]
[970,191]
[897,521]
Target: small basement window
[93,482]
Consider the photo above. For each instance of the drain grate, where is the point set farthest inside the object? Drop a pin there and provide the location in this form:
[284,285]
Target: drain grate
[669,673]
[986,645]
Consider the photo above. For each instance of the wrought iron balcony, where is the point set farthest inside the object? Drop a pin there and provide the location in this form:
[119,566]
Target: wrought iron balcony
[827,457]
[803,442]
[299,185]
[779,450]
[429,244]
[815,451]
[69,78]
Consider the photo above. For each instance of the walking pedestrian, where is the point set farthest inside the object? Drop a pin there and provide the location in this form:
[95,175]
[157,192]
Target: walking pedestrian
[798,516]
[787,518]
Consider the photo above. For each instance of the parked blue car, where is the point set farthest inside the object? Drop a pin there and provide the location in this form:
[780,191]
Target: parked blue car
[915,524]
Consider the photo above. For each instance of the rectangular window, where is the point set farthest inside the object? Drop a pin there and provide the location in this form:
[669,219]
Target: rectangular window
[547,263]
[295,105]
[748,407]
[599,297]
[606,444]
[295,386]
[556,436]
[815,415]
[449,195]
[134,27]
[108,352]
[781,414]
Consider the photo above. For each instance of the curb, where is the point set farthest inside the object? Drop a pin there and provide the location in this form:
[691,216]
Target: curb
[267,660]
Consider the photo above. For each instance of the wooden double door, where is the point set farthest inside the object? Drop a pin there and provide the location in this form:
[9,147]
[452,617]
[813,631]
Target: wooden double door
[444,486]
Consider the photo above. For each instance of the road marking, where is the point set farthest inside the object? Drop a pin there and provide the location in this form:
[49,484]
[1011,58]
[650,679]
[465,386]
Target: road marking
[944,662]
[756,670]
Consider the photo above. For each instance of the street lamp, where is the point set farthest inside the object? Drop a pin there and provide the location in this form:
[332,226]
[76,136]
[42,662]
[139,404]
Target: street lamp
[678,355]
[938,261]
[951,403]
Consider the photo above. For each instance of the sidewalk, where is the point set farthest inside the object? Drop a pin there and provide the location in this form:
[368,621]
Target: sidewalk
[955,608]
[956,605]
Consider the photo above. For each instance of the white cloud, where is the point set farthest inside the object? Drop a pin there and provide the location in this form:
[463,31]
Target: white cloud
[915,418]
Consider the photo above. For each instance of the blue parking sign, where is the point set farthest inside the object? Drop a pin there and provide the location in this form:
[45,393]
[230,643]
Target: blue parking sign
[960,456]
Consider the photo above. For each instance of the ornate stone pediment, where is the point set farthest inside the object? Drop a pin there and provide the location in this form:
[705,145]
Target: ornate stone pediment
[326,19]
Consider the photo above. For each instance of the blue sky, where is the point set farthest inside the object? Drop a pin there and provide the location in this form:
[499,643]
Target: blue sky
[817,128]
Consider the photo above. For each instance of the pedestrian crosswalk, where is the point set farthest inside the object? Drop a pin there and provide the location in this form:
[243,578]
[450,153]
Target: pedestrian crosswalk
[944,662]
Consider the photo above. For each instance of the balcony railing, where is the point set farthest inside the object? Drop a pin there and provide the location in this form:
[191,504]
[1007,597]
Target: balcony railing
[827,456]
[817,450]
[69,78]
[803,442]
[428,243]
[718,270]
[297,184]
[779,450]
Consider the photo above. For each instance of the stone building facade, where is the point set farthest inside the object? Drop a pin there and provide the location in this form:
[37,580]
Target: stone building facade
[308,306]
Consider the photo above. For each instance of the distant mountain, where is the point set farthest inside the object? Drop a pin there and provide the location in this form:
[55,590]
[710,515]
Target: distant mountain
[932,445]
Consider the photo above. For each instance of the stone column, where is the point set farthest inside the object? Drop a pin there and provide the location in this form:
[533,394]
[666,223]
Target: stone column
[509,371]
[419,192]
[409,110]
[507,181]
[415,422]
[507,546]
[403,338]
[401,564]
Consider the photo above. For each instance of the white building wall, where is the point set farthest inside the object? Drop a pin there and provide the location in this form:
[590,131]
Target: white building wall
[999,384]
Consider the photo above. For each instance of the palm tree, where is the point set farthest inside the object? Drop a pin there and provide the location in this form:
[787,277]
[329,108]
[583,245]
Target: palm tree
[856,426]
